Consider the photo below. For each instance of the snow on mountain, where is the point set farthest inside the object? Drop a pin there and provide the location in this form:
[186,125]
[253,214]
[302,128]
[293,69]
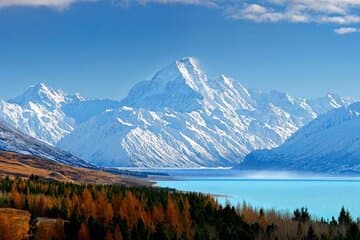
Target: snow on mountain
[330,143]
[181,118]
[47,114]
[15,141]
[330,101]
[179,87]
[41,94]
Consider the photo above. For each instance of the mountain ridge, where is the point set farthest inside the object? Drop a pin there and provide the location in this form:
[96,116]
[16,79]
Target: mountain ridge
[178,118]
[12,140]
[329,144]
[47,114]
[182,118]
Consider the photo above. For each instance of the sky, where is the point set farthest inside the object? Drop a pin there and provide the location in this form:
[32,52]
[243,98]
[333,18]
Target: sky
[101,48]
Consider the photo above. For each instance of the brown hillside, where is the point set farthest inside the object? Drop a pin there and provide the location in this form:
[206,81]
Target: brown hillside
[14,224]
[18,165]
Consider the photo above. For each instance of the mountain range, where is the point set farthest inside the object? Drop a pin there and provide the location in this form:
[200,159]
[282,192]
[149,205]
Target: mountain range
[48,114]
[179,118]
[329,144]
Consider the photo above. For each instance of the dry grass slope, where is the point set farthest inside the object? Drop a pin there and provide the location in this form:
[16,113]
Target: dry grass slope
[18,165]
[14,224]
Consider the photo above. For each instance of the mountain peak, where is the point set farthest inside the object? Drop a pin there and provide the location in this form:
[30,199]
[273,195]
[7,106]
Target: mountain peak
[189,62]
[40,94]
[40,86]
[186,69]
[331,95]
[181,85]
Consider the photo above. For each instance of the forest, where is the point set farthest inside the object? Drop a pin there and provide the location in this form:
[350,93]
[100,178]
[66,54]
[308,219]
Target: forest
[37,208]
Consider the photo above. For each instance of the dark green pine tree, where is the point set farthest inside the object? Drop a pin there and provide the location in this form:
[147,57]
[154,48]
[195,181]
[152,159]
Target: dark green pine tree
[33,227]
[311,234]
[353,232]
[344,217]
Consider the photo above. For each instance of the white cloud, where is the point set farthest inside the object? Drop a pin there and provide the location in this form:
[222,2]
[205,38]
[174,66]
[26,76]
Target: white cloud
[254,9]
[260,13]
[207,3]
[342,20]
[256,13]
[346,30]
[321,11]
[190,2]
[59,4]
[336,12]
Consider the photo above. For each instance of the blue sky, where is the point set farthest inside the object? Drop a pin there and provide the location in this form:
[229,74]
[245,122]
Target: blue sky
[101,48]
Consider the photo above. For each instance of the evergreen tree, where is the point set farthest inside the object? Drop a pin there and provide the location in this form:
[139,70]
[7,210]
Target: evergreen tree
[353,232]
[344,217]
[32,227]
[311,234]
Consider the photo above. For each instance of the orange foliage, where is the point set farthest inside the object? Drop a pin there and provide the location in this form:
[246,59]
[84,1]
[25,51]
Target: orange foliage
[248,214]
[42,205]
[158,214]
[186,219]
[87,203]
[104,210]
[15,196]
[117,233]
[131,209]
[173,216]
[83,232]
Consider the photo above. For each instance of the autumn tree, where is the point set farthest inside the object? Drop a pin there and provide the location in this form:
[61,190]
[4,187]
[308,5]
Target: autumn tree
[87,203]
[83,233]
[158,214]
[186,219]
[117,233]
[15,197]
[173,216]
[104,210]
[108,235]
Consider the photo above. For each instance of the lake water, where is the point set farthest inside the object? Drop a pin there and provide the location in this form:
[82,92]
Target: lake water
[323,196]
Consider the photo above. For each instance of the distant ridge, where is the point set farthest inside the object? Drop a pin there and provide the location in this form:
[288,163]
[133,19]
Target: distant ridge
[329,144]
[47,114]
[12,140]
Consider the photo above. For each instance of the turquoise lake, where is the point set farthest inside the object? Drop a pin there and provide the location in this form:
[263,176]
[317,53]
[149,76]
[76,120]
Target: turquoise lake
[323,197]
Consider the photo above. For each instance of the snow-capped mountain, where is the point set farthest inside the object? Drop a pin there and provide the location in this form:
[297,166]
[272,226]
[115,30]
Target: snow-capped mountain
[14,141]
[330,143]
[49,115]
[182,118]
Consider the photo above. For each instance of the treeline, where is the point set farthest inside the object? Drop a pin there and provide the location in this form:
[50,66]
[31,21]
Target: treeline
[117,212]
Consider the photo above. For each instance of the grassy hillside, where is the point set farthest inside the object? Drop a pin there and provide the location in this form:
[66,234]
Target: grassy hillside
[17,165]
